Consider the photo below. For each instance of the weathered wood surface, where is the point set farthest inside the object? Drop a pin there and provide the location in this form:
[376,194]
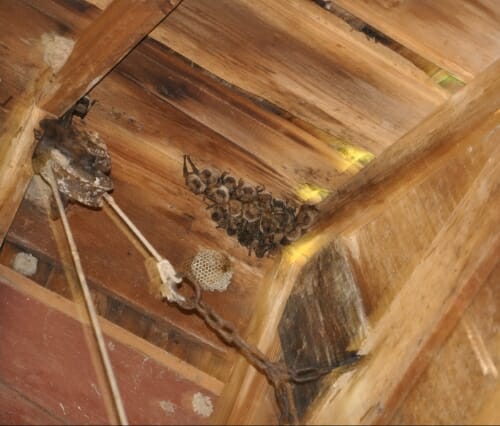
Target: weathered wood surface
[17,143]
[461,37]
[431,139]
[246,390]
[462,378]
[303,157]
[16,409]
[323,319]
[425,310]
[60,377]
[426,206]
[104,43]
[465,148]
[323,73]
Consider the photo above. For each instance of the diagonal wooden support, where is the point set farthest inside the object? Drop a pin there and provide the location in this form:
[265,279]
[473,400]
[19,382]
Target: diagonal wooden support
[16,148]
[398,170]
[432,138]
[122,25]
[427,308]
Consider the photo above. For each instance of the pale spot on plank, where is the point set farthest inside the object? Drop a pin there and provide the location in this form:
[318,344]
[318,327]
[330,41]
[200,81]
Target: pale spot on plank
[202,405]
[167,406]
[25,263]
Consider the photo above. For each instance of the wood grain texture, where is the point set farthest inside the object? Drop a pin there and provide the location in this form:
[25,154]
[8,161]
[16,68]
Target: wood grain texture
[461,37]
[436,134]
[323,319]
[426,309]
[100,47]
[463,375]
[247,390]
[16,409]
[312,66]
[17,143]
[302,158]
[385,248]
[60,376]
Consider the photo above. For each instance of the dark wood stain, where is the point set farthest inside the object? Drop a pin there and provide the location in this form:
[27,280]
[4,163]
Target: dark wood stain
[321,319]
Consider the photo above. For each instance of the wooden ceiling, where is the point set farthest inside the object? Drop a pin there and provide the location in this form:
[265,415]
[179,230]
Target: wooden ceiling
[296,95]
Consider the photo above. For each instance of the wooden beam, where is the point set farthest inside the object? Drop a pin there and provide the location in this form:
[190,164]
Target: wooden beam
[61,375]
[468,109]
[424,312]
[360,91]
[245,392]
[464,42]
[122,25]
[461,384]
[438,133]
[17,142]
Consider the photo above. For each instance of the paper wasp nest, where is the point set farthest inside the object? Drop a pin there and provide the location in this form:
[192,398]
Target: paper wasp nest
[252,215]
[79,159]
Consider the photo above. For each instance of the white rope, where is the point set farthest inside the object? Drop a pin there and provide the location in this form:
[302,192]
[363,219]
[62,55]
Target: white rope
[111,201]
[168,276]
[88,302]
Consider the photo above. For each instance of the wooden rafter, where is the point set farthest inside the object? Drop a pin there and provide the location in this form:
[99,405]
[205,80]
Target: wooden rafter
[122,25]
[362,199]
[424,312]
[439,132]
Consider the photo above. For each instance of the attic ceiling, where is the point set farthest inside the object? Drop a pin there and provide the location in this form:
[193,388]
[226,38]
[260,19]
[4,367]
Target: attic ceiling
[295,95]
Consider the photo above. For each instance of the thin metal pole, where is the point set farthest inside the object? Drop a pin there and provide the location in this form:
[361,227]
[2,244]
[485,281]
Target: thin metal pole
[122,417]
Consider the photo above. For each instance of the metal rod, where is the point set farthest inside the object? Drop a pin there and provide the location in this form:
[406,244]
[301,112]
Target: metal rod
[118,402]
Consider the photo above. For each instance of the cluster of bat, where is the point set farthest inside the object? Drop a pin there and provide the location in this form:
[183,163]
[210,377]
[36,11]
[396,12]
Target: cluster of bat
[259,221]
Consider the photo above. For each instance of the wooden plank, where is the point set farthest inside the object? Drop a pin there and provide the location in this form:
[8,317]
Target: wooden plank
[472,154]
[424,205]
[435,135]
[463,375]
[15,409]
[60,375]
[31,47]
[104,43]
[21,49]
[302,157]
[323,319]
[488,413]
[121,117]
[359,91]
[247,390]
[460,259]
[463,38]
[127,271]
[17,143]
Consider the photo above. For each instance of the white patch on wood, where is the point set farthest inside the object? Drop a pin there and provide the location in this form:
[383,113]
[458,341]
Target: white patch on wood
[483,356]
[39,192]
[25,263]
[62,408]
[167,406]
[202,405]
[56,50]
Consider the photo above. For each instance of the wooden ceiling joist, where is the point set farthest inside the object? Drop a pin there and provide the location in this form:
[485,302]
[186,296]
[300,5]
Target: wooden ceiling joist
[280,93]
[122,25]
[463,38]
[63,359]
[97,50]
[412,160]
[438,132]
